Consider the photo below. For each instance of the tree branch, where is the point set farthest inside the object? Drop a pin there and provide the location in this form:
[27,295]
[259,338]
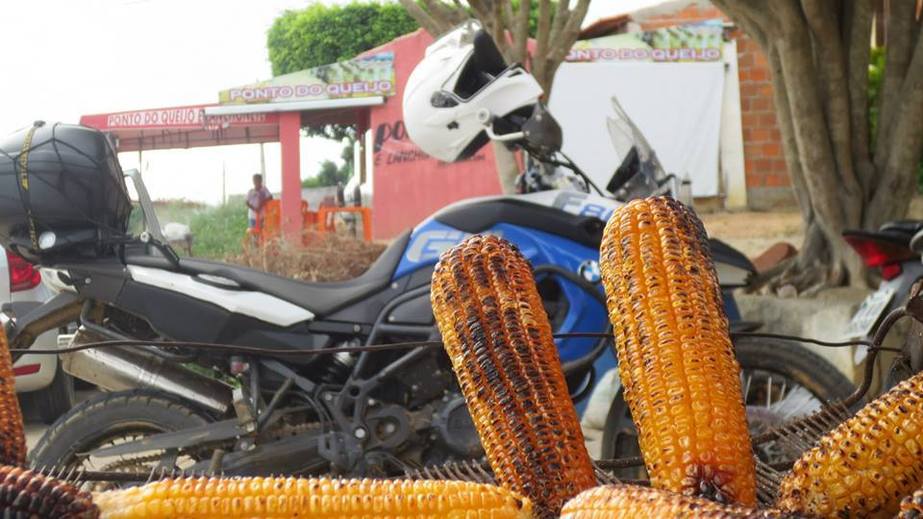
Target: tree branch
[564,41]
[521,31]
[899,31]
[789,142]
[822,18]
[858,30]
[539,64]
[752,17]
[903,151]
[429,23]
[500,29]
[508,17]
[560,17]
[814,151]
[451,14]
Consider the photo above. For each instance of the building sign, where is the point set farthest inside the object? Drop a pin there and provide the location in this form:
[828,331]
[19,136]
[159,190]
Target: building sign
[691,42]
[393,147]
[361,77]
[176,118]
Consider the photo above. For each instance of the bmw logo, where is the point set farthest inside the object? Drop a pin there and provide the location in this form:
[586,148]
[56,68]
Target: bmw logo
[589,270]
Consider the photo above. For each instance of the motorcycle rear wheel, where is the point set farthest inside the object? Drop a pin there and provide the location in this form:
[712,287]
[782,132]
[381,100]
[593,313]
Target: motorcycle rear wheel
[113,418]
[782,380]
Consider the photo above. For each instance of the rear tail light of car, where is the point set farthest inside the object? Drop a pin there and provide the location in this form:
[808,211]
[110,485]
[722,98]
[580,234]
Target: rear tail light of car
[26,369]
[23,276]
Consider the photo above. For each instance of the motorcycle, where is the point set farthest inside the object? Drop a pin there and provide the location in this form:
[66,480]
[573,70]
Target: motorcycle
[894,252]
[323,377]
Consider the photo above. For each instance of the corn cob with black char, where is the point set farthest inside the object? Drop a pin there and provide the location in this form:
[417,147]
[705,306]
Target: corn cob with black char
[676,360]
[12,435]
[864,466]
[28,494]
[278,497]
[498,337]
[635,502]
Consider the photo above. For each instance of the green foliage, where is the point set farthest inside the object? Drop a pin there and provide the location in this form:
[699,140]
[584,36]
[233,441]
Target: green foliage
[329,175]
[322,34]
[219,231]
[533,15]
[876,73]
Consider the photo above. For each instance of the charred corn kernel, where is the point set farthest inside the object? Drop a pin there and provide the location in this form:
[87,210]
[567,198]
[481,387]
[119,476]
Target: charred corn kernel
[29,494]
[912,506]
[865,465]
[498,337]
[635,502]
[270,498]
[676,360]
[12,436]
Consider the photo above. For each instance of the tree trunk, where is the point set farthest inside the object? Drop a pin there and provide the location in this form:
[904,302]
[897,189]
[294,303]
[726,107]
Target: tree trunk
[507,168]
[819,53]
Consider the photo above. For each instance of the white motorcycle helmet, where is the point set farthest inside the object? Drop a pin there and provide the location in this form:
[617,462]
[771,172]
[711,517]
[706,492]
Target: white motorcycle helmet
[459,89]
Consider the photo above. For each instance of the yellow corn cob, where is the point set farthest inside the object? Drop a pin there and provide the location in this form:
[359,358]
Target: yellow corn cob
[676,360]
[866,464]
[634,502]
[499,339]
[269,498]
[12,436]
[29,494]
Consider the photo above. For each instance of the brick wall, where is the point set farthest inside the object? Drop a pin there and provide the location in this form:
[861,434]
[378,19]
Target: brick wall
[768,184]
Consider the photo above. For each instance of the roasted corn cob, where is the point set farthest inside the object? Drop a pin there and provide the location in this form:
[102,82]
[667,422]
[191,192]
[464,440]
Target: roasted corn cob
[29,494]
[865,465]
[12,436]
[201,498]
[676,360]
[498,337]
[912,506]
[634,502]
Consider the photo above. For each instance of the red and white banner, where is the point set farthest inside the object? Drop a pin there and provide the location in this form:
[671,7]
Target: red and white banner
[177,118]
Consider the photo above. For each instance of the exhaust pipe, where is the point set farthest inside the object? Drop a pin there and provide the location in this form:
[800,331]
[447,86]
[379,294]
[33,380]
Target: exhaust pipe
[118,369]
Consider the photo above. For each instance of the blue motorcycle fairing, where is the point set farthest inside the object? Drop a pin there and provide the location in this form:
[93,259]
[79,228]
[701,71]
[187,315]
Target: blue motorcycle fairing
[584,314]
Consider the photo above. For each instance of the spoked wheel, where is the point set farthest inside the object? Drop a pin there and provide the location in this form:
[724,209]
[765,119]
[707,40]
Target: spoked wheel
[146,462]
[113,419]
[781,381]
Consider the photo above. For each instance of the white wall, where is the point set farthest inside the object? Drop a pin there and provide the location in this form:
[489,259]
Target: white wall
[676,105]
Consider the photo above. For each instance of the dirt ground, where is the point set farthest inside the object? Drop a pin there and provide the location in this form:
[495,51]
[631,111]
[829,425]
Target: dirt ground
[753,232]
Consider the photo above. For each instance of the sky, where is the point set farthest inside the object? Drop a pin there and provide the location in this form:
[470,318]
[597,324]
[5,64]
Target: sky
[66,58]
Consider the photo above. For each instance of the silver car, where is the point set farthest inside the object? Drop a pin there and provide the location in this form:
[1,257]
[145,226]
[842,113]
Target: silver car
[46,390]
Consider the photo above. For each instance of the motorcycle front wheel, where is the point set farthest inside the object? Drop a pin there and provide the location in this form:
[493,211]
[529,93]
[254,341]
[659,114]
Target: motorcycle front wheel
[781,380]
[111,419]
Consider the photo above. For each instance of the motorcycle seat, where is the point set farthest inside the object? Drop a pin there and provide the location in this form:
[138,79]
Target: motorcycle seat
[320,298]
[902,228]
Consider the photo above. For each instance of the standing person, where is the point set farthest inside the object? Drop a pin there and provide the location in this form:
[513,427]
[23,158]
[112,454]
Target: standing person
[256,199]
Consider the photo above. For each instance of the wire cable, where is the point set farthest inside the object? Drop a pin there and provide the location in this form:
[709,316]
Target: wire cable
[288,352]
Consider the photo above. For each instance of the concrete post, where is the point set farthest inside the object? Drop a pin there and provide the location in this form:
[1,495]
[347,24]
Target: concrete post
[290,140]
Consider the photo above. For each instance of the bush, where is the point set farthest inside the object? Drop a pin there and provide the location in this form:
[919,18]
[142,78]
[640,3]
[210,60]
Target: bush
[219,231]
[328,257]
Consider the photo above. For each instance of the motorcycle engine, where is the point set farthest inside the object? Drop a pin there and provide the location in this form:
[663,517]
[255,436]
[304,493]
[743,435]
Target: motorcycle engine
[455,429]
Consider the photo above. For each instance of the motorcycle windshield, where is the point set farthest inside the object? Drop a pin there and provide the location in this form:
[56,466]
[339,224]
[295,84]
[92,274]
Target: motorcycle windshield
[626,135]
